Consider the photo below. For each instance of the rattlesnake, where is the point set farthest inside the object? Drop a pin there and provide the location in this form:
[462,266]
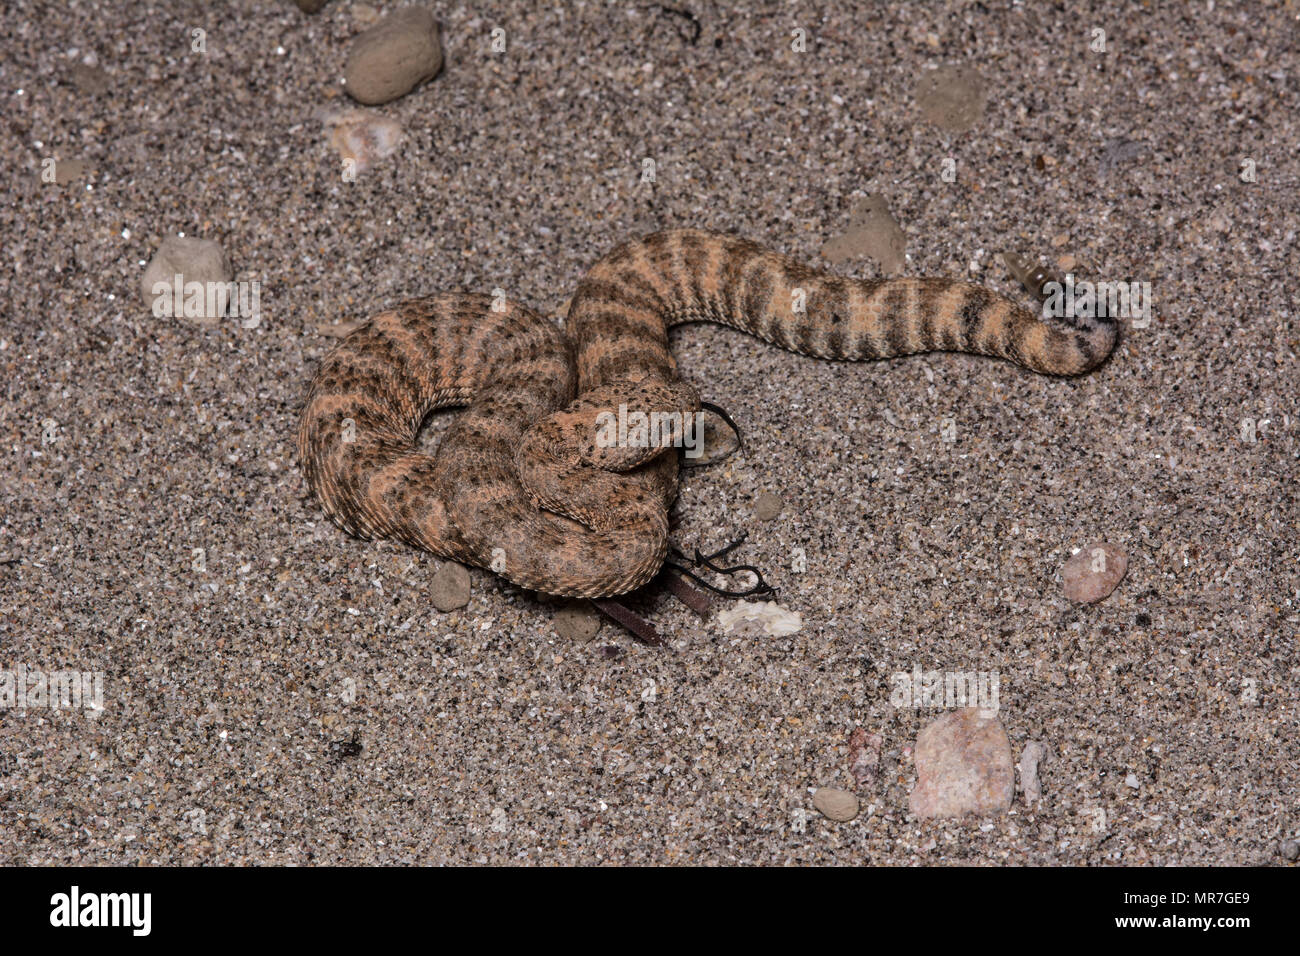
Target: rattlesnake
[519,483]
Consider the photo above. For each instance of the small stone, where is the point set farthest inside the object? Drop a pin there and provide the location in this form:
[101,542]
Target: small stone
[1290,850]
[364,14]
[194,260]
[449,589]
[767,506]
[1035,753]
[1094,572]
[83,254]
[1067,262]
[952,97]
[362,138]
[578,622]
[1132,781]
[88,79]
[864,757]
[68,170]
[838,805]
[393,57]
[1118,151]
[873,232]
[963,765]
[311,6]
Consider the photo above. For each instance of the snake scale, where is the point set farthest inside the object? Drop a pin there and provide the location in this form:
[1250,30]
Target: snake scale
[519,483]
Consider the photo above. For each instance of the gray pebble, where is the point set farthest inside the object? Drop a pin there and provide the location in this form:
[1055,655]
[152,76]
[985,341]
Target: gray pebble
[83,253]
[873,232]
[393,57]
[1118,151]
[1031,757]
[68,170]
[449,589]
[952,97]
[88,79]
[767,506]
[838,805]
[1290,850]
[578,622]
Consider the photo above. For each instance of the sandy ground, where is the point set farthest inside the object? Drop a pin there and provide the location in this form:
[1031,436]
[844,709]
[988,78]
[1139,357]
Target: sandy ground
[289,695]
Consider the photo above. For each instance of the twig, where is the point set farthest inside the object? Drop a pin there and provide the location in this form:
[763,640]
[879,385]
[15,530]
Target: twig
[636,625]
[687,593]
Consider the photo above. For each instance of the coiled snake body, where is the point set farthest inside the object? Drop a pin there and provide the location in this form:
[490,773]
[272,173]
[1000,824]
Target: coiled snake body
[519,483]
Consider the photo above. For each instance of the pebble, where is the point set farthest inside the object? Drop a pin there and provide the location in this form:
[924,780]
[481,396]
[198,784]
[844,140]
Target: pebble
[864,757]
[311,6]
[1093,572]
[963,765]
[393,57]
[1290,850]
[68,170]
[872,232]
[579,622]
[838,805]
[952,97]
[83,253]
[767,506]
[450,587]
[1132,782]
[1118,151]
[363,137]
[88,79]
[194,260]
[1035,753]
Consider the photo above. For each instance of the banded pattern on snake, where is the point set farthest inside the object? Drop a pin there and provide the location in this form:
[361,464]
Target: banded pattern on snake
[519,483]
